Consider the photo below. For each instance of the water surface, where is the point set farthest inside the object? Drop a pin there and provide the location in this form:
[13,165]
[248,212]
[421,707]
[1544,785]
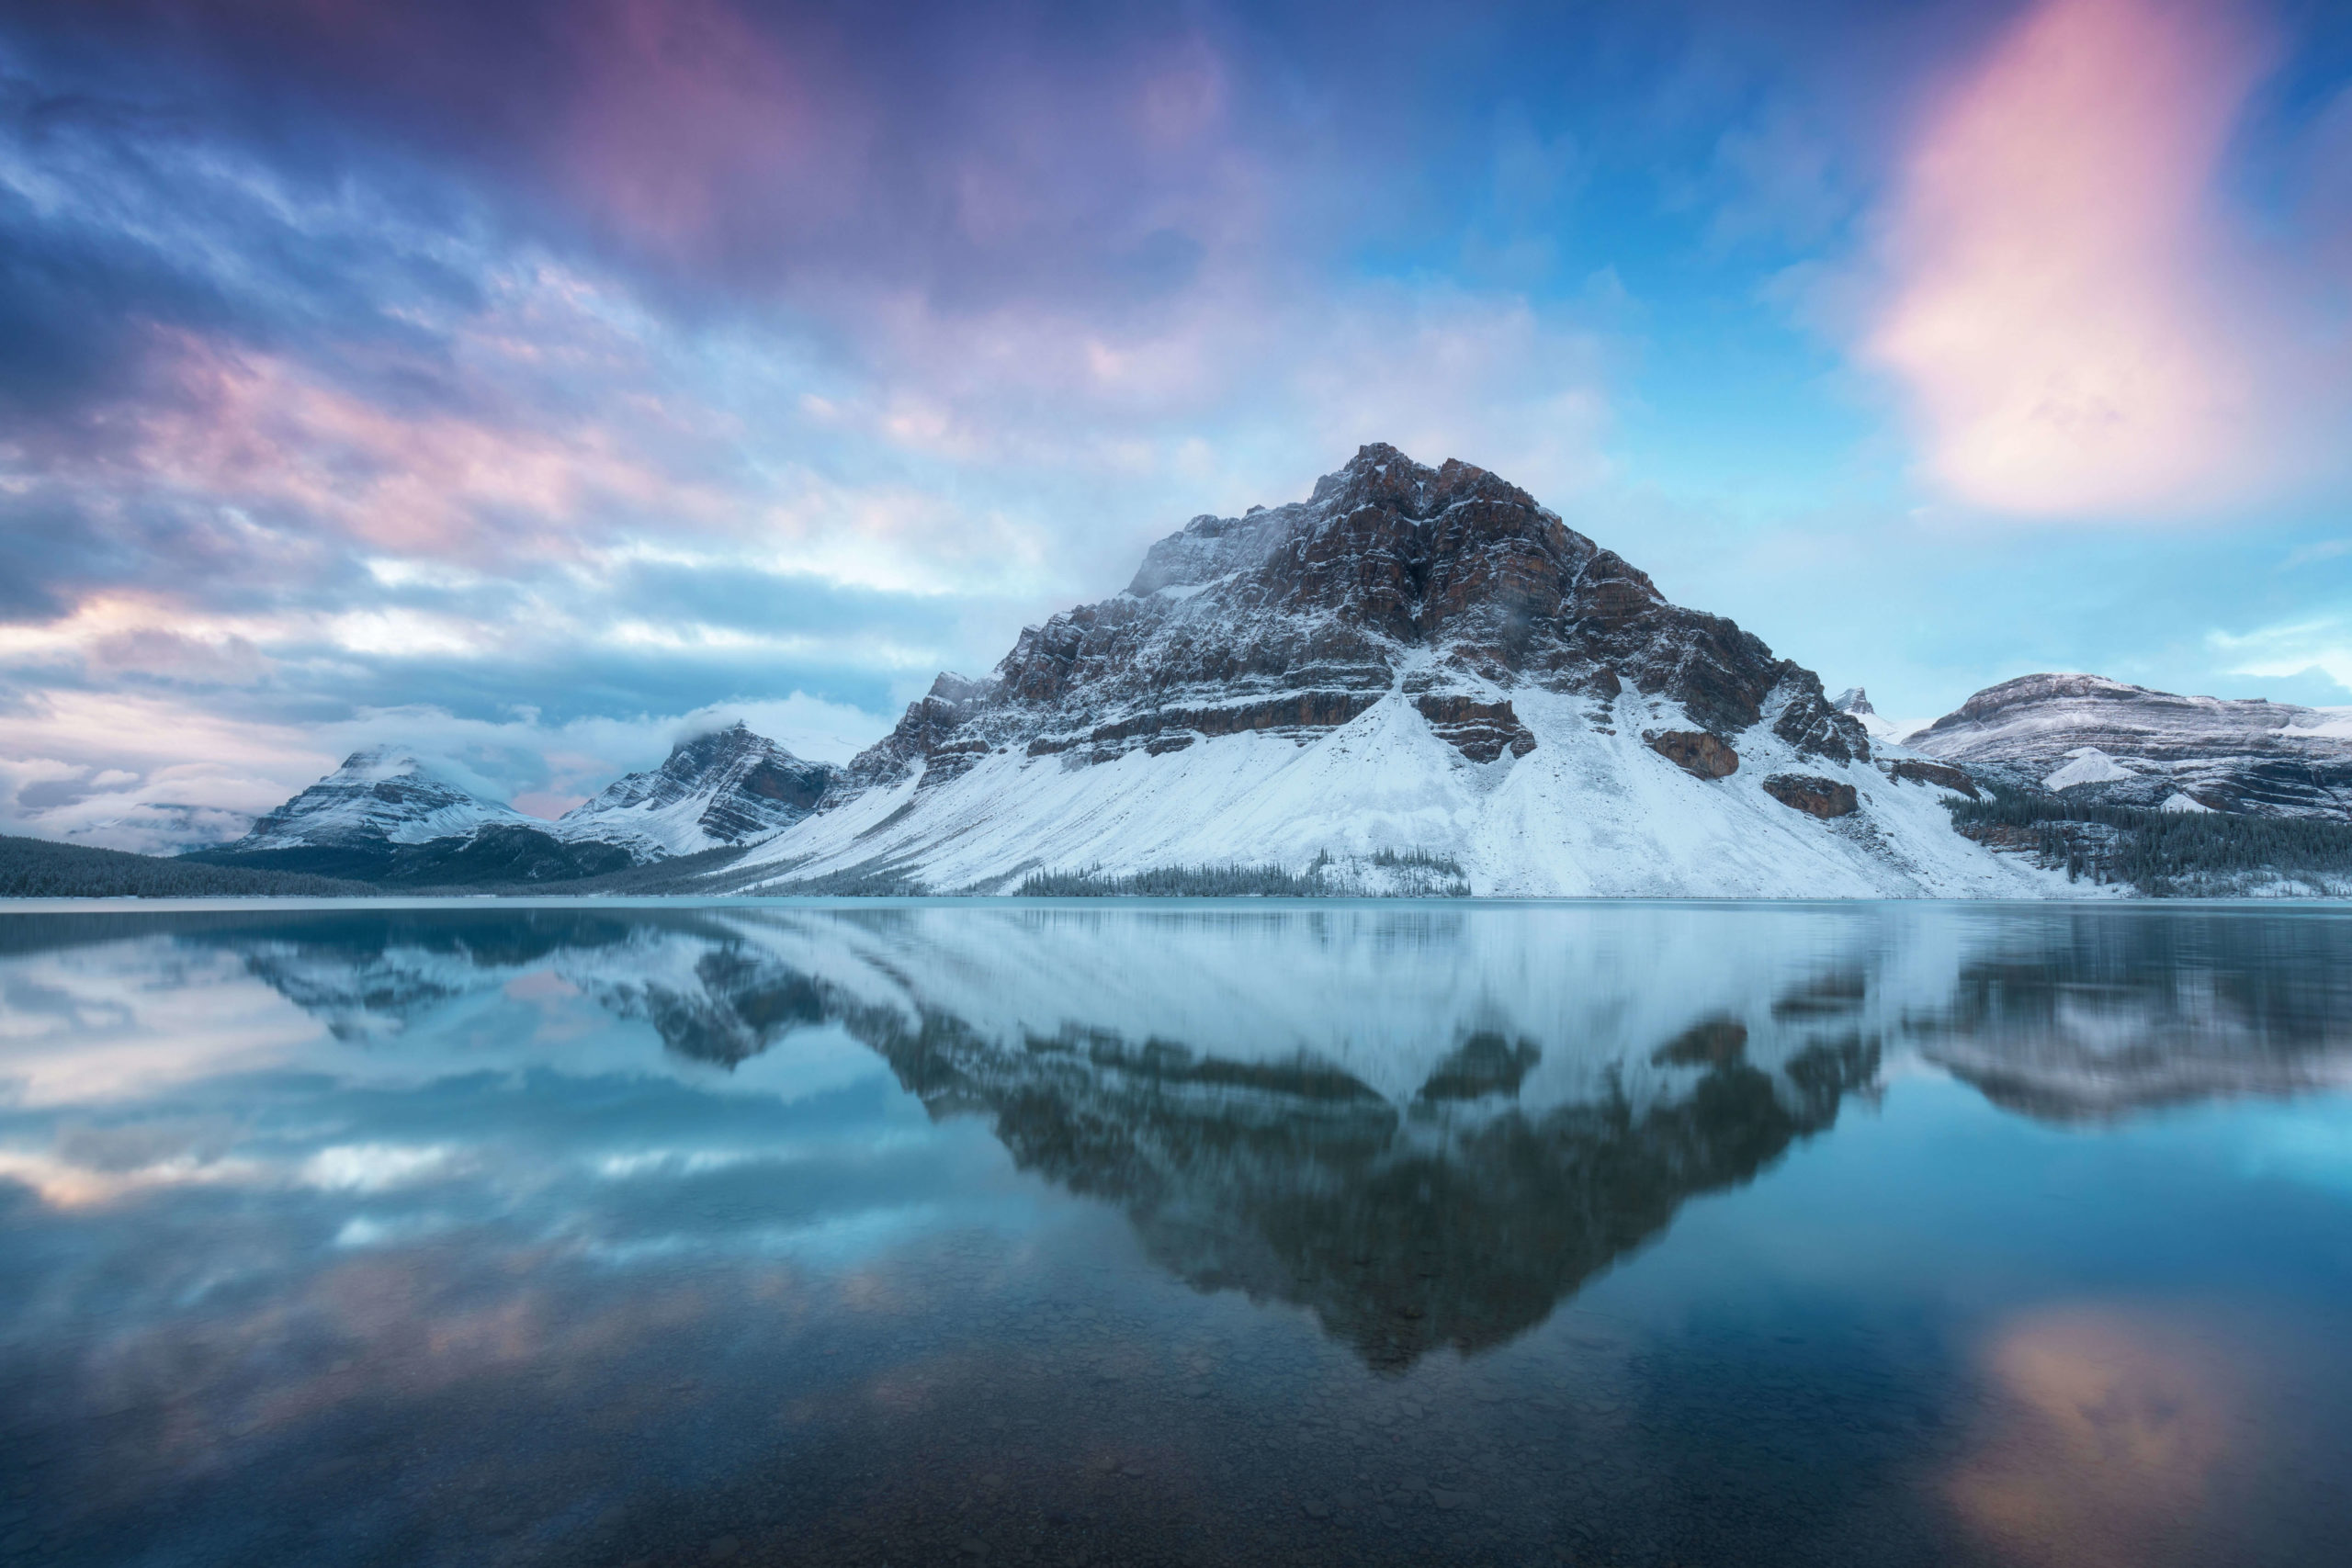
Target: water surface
[1256,1231]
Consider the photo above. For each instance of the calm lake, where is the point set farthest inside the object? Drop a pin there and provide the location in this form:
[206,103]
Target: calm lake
[1199,1233]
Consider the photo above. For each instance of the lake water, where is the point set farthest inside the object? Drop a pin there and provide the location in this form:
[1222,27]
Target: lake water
[1184,1232]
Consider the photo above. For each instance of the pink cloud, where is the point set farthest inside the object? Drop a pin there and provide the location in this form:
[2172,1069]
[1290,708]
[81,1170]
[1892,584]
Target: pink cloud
[249,428]
[2077,328]
[680,104]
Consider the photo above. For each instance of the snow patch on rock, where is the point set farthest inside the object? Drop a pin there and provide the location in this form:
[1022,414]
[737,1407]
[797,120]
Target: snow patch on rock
[2086,765]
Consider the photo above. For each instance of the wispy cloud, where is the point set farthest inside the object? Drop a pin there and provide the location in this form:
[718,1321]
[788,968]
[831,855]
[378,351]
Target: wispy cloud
[2079,321]
[2321,643]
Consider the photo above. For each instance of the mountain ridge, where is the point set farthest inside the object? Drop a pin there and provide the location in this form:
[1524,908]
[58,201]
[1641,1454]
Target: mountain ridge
[2088,737]
[385,815]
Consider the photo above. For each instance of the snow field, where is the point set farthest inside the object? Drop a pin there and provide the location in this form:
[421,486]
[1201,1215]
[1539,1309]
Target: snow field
[1591,812]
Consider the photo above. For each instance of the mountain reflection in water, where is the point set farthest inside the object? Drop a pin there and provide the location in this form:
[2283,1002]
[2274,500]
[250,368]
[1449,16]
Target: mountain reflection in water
[1232,1233]
[1429,1126]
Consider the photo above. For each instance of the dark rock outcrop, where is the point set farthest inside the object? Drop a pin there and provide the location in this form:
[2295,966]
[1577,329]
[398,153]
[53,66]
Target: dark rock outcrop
[1480,732]
[1291,620]
[1813,794]
[1942,775]
[1696,752]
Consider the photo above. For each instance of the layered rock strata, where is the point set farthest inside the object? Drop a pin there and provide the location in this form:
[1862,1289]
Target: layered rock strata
[723,788]
[2109,741]
[1447,583]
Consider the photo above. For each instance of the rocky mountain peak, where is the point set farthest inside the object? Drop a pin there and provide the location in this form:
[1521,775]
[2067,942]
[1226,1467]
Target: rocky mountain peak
[1853,700]
[382,793]
[1447,583]
[697,755]
[719,788]
[379,762]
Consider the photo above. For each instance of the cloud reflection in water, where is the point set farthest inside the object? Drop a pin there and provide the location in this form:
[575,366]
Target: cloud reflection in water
[429,1195]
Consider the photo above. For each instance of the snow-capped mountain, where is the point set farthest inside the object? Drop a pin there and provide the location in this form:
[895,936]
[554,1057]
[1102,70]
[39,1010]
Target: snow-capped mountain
[379,796]
[1412,659]
[721,788]
[2101,739]
[386,815]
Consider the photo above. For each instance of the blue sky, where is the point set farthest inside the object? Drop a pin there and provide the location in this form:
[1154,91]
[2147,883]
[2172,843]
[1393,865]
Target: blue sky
[536,382]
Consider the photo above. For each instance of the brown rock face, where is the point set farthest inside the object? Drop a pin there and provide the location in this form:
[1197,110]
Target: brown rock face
[1292,620]
[1810,792]
[1696,752]
[1291,716]
[1941,775]
[1480,732]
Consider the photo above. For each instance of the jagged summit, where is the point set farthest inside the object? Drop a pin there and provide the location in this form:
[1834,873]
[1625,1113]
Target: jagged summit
[721,787]
[1450,585]
[1856,704]
[1411,661]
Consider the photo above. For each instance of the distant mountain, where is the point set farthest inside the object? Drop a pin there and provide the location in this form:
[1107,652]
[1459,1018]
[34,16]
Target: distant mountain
[385,817]
[725,788]
[1411,662]
[379,796]
[388,818]
[2088,738]
[1856,704]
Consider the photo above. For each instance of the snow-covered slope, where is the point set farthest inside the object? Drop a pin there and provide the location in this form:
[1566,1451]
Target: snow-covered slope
[2128,744]
[1411,660]
[1587,812]
[721,788]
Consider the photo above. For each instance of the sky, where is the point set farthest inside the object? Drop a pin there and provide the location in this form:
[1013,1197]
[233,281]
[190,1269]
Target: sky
[533,384]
